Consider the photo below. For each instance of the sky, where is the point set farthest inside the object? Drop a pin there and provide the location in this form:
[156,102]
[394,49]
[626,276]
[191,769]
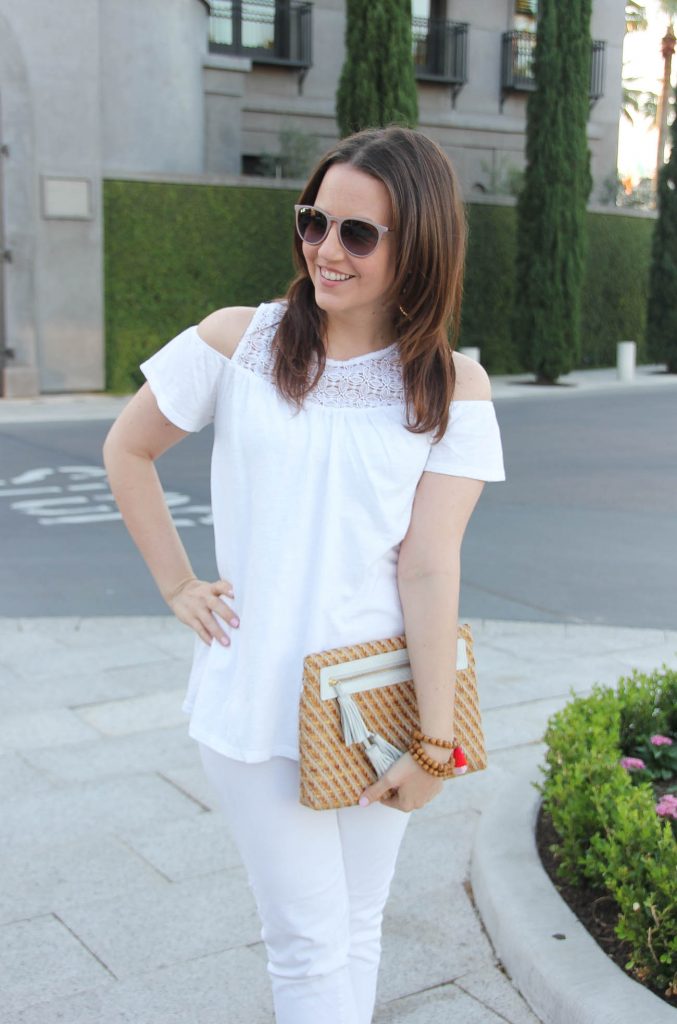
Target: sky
[642,59]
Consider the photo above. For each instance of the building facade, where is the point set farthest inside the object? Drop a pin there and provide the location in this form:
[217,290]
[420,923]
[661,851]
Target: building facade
[190,90]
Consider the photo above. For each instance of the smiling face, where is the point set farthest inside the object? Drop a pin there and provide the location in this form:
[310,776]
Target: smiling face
[363,284]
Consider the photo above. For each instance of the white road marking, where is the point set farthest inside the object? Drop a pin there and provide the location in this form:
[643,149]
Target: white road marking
[73,486]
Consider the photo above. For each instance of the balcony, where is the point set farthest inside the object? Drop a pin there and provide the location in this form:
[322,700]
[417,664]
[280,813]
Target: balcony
[517,73]
[265,31]
[440,51]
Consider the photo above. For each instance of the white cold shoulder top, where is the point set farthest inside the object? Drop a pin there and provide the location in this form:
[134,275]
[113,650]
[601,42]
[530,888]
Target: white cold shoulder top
[309,510]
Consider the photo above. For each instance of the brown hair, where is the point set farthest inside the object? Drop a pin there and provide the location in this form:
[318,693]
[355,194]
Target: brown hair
[430,236]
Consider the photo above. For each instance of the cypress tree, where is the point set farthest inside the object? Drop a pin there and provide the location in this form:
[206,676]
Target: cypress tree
[661,320]
[377,84]
[551,208]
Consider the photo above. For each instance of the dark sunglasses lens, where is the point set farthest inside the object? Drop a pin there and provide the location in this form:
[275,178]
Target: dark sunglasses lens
[359,238]
[312,225]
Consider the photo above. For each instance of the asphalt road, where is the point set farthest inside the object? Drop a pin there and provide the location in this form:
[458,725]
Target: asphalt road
[583,530]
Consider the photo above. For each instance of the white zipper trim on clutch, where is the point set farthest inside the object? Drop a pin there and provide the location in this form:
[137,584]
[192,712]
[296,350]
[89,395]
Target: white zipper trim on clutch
[375,670]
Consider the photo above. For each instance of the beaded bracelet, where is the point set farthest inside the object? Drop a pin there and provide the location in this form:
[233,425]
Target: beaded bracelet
[422,738]
[440,769]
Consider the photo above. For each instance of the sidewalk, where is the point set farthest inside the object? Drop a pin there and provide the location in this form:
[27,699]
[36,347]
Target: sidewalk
[123,899]
[100,406]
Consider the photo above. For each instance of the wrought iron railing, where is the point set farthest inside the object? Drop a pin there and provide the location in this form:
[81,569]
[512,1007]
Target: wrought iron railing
[517,64]
[440,50]
[265,31]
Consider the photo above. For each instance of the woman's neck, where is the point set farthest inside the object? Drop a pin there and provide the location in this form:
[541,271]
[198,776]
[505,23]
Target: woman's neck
[346,337]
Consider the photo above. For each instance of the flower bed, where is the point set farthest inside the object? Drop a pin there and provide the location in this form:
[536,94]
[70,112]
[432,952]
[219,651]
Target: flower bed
[610,791]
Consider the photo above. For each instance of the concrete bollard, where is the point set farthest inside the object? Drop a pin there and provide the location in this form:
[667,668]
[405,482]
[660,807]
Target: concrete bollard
[626,354]
[472,353]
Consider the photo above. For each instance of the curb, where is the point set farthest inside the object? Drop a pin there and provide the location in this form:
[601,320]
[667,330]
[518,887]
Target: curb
[570,981]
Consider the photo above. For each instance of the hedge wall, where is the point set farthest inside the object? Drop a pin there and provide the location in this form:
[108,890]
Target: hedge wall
[174,252]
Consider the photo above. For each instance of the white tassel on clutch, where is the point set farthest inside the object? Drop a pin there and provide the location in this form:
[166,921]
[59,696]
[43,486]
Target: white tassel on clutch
[352,724]
[380,752]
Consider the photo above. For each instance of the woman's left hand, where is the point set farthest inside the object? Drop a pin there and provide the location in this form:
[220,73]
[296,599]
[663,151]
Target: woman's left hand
[414,787]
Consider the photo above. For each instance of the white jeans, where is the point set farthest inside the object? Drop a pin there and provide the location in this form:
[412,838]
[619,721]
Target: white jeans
[320,880]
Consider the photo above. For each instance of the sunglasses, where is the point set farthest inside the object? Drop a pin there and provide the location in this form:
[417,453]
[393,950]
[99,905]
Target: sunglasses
[359,237]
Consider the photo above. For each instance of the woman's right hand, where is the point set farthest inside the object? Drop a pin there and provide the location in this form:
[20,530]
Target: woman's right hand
[195,603]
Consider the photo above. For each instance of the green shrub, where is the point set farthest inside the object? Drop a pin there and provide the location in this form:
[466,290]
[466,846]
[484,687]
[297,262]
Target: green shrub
[642,707]
[637,858]
[610,835]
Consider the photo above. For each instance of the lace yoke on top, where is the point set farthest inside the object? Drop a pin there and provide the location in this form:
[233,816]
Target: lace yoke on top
[373,379]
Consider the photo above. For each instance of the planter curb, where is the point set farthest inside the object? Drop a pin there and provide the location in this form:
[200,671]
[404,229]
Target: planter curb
[566,980]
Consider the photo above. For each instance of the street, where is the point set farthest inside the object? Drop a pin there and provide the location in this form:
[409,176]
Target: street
[583,529]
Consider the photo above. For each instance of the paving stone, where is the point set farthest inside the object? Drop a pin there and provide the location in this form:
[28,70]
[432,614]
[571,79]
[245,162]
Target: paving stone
[69,689]
[578,638]
[494,989]
[161,750]
[18,778]
[177,642]
[650,658]
[135,714]
[11,690]
[23,646]
[518,724]
[50,660]
[442,1005]
[169,673]
[186,848]
[450,836]
[75,812]
[429,943]
[73,628]
[42,957]
[42,729]
[230,987]
[173,925]
[484,629]
[69,874]
[192,781]
[557,677]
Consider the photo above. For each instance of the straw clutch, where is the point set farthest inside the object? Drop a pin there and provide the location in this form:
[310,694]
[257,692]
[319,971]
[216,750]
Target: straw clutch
[358,711]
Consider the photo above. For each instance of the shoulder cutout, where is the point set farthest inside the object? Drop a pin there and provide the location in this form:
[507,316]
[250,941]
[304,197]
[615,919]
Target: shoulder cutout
[472,380]
[223,328]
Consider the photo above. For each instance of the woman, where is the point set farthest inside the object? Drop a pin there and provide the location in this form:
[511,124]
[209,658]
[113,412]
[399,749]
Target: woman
[342,483]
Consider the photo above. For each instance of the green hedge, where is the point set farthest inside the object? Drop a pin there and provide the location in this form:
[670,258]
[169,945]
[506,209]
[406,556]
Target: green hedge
[610,835]
[614,299]
[173,253]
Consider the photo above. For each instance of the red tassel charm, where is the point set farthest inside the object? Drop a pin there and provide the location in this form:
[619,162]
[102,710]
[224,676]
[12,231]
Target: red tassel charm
[460,761]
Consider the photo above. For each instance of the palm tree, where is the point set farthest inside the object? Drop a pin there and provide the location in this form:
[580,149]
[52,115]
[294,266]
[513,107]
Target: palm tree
[669,8]
[635,17]
[639,102]
[636,21]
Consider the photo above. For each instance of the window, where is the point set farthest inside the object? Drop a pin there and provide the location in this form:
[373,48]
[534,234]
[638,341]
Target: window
[268,31]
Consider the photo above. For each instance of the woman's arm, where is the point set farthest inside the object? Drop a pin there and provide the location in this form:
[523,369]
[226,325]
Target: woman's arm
[428,583]
[428,577]
[139,436]
[429,574]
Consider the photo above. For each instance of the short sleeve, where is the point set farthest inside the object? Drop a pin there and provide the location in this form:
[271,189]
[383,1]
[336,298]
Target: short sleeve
[184,376]
[471,445]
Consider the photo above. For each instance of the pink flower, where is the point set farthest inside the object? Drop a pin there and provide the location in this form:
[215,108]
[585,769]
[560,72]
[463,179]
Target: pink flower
[667,806]
[661,741]
[633,764]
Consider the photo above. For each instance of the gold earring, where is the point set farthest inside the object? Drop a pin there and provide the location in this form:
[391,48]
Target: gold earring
[404,313]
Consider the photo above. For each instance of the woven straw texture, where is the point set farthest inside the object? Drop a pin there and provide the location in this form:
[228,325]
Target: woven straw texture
[334,775]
